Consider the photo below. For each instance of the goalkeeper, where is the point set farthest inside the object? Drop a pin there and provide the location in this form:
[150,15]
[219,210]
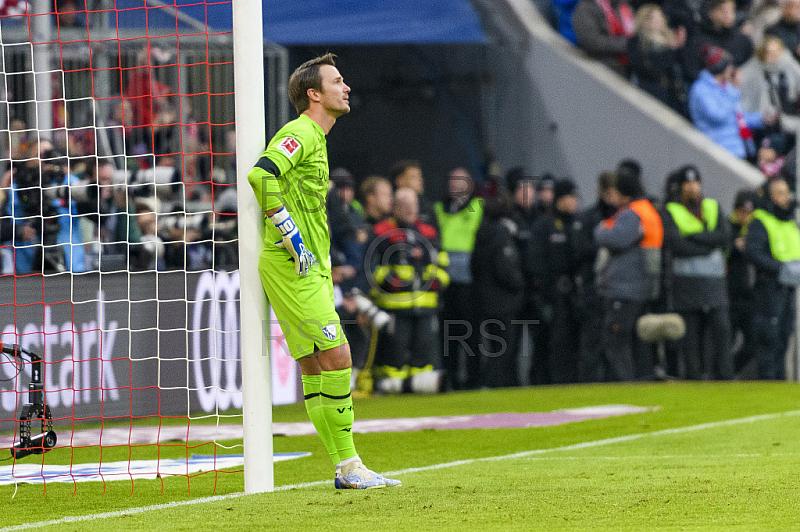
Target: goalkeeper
[290,181]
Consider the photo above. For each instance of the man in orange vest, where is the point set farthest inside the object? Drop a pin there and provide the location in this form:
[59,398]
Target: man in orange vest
[629,275]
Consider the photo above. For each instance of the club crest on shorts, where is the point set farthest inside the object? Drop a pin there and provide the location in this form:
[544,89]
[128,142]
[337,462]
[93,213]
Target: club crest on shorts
[330,332]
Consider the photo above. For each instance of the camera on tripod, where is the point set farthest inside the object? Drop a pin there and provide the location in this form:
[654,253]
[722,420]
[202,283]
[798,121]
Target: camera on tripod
[36,434]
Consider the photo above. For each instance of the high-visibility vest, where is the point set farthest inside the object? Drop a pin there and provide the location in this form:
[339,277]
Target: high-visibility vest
[399,286]
[784,236]
[711,265]
[457,230]
[688,223]
[653,237]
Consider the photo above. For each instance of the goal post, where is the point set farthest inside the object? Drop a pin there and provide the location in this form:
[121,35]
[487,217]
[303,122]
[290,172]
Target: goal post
[248,61]
[127,327]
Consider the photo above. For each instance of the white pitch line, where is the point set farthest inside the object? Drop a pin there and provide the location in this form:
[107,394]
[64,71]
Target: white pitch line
[525,454]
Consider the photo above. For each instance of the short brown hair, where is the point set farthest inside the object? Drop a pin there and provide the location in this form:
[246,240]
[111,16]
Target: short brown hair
[369,185]
[399,168]
[606,180]
[307,77]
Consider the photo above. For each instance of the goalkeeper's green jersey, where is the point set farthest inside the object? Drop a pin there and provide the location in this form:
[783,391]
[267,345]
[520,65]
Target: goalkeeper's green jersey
[300,152]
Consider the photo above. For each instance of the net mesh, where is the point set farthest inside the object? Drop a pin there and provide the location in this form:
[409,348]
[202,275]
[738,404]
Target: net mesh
[117,241]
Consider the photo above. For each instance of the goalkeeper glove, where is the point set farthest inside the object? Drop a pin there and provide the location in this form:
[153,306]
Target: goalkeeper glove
[293,242]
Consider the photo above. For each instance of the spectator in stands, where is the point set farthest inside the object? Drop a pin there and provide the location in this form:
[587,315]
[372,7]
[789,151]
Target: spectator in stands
[771,155]
[145,93]
[771,81]
[19,139]
[697,235]
[564,10]
[196,144]
[787,29]
[628,275]
[14,232]
[740,286]
[40,198]
[590,304]
[459,216]
[166,132]
[655,54]
[119,231]
[376,193]
[552,260]
[150,254]
[188,239]
[499,292]
[408,276]
[715,107]
[97,177]
[688,16]
[772,245]
[603,28]
[408,174]
[763,14]
[123,139]
[720,29]
[70,14]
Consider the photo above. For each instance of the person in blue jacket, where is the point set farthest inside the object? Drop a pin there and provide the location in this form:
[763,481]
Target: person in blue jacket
[49,202]
[564,9]
[715,107]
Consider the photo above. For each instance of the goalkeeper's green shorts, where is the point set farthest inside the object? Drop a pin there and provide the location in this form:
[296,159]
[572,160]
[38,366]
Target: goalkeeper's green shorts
[303,305]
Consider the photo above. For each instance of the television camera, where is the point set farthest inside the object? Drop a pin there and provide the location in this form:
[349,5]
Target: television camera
[36,434]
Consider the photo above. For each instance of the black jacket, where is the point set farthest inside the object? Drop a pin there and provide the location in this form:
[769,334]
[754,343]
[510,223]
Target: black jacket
[732,40]
[695,293]
[552,257]
[585,245]
[496,266]
[660,72]
[758,251]
[739,286]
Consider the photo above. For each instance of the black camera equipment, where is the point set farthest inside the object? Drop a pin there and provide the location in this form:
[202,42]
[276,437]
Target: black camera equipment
[36,434]
[40,190]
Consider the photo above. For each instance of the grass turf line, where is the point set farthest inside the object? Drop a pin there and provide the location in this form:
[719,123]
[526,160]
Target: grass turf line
[681,404]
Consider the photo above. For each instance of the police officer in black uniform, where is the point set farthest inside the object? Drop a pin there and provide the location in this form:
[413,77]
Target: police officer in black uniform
[590,303]
[553,262]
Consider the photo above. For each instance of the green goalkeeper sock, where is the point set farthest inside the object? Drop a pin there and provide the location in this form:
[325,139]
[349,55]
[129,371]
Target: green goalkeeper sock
[311,385]
[337,405]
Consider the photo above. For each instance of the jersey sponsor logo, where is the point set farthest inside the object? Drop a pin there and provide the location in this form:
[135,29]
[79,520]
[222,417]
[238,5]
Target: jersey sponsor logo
[289,145]
[330,332]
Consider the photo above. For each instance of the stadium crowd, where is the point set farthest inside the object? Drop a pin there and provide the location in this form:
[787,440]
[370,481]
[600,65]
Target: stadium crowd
[730,66]
[135,192]
[517,261]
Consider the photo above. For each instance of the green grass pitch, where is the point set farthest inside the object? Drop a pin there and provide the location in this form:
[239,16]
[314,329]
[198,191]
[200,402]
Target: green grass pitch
[714,456]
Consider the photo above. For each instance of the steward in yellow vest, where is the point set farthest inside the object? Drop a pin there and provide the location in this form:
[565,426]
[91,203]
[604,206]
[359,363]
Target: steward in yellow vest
[459,216]
[696,238]
[773,246]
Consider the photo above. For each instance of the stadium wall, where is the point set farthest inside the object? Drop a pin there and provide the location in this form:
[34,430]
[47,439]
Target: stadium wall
[557,111]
